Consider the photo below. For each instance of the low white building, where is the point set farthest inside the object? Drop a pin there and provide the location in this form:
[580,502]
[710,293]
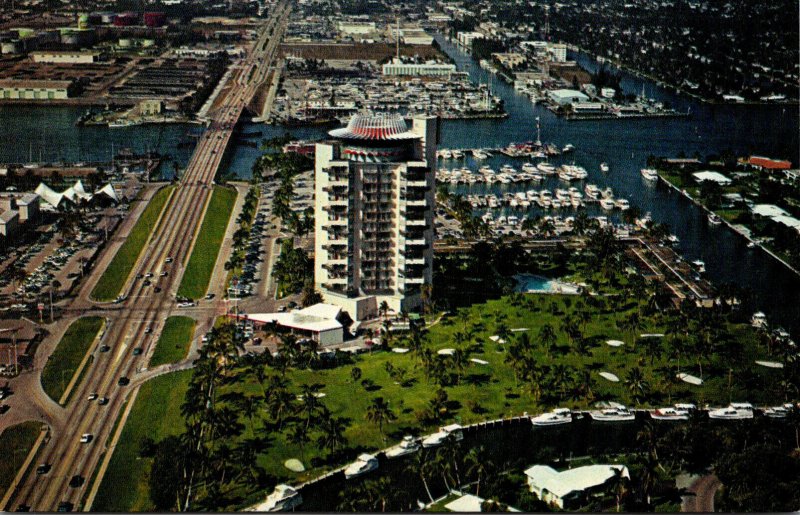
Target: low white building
[427,69]
[466,38]
[711,176]
[65,57]
[320,322]
[567,96]
[570,487]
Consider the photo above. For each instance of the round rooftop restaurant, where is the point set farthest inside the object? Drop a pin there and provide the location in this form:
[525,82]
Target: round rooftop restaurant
[375,127]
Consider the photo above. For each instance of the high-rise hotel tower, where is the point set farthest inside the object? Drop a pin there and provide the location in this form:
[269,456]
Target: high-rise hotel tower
[375,194]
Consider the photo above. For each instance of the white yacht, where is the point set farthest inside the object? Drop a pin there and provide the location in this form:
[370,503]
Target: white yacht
[569,147]
[607,193]
[363,464]
[457,154]
[546,167]
[699,265]
[479,154]
[592,191]
[283,498]
[607,203]
[669,414]
[622,204]
[435,439]
[616,414]
[555,417]
[736,411]
[714,219]
[778,411]
[649,174]
[758,320]
[408,445]
[604,167]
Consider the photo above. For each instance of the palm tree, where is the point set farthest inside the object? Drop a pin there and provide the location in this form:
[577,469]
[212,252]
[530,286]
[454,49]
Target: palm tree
[383,309]
[332,437]
[379,413]
[637,384]
[547,335]
[477,466]
[355,374]
[422,466]
[619,485]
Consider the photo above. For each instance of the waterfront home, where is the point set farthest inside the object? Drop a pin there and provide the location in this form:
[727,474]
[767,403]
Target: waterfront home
[711,177]
[570,488]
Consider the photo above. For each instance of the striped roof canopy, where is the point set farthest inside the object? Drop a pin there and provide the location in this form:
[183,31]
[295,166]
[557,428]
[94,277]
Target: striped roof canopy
[376,127]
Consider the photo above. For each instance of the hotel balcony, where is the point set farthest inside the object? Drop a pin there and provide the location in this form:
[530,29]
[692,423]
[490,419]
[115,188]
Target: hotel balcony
[335,245]
[337,269]
[416,223]
[416,202]
[335,222]
[416,242]
[335,188]
[338,283]
[417,184]
[415,261]
[414,280]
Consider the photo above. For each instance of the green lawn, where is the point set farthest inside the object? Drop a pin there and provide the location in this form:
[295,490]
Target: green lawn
[15,444]
[67,356]
[204,256]
[173,345]
[111,283]
[491,391]
[156,414]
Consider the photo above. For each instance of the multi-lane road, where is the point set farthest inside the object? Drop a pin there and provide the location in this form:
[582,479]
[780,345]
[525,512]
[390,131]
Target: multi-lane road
[138,320]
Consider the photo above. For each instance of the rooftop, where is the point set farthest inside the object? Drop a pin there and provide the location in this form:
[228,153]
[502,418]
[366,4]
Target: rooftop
[573,480]
[375,127]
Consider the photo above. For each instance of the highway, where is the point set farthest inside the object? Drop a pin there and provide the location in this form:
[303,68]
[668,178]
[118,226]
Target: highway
[139,319]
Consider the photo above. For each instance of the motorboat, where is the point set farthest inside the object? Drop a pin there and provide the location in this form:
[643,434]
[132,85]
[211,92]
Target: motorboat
[622,204]
[758,320]
[604,167]
[751,244]
[649,174]
[556,417]
[283,498]
[607,193]
[714,219]
[615,414]
[669,414]
[736,411]
[546,167]
[363,464]
[569,147]
[453,430]
[592,191]
[699,265]
[408,445]
[607,203]
[778,411]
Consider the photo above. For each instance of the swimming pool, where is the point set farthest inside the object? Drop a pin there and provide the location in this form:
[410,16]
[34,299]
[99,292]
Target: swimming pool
[529,283]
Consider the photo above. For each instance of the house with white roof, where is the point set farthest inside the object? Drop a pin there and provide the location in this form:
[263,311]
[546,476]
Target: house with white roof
[711,177]
[320,322]
[570,487]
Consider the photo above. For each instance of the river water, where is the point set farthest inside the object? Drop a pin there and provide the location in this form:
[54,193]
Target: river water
[31,132]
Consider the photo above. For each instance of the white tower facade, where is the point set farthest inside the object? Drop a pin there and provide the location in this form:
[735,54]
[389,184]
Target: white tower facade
[375,200]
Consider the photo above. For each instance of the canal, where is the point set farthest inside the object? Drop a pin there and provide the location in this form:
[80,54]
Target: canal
[30,132]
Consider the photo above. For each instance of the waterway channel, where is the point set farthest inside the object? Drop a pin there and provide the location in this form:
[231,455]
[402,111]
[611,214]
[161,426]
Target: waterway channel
[30,132]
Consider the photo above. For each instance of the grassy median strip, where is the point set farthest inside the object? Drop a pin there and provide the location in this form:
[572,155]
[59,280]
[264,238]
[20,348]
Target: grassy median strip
[110,284]
[156,414]
[66,358]
[204,256]
[15,444]
[173,345]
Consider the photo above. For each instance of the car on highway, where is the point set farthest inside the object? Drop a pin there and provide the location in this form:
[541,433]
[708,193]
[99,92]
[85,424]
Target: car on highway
[168,260]
[147,282]
[91,397]
[185,304]
[43,469]
[76,481]
[149,275]
[65,506]
[139,276]
[104,348]
[157,289]
[23,508]
[123,381]
[137,351]
[86,437]
[102,401]
[148,330]
[164,274]
[210,296]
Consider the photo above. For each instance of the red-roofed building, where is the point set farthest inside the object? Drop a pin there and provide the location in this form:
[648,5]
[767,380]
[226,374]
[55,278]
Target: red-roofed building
[769,164]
